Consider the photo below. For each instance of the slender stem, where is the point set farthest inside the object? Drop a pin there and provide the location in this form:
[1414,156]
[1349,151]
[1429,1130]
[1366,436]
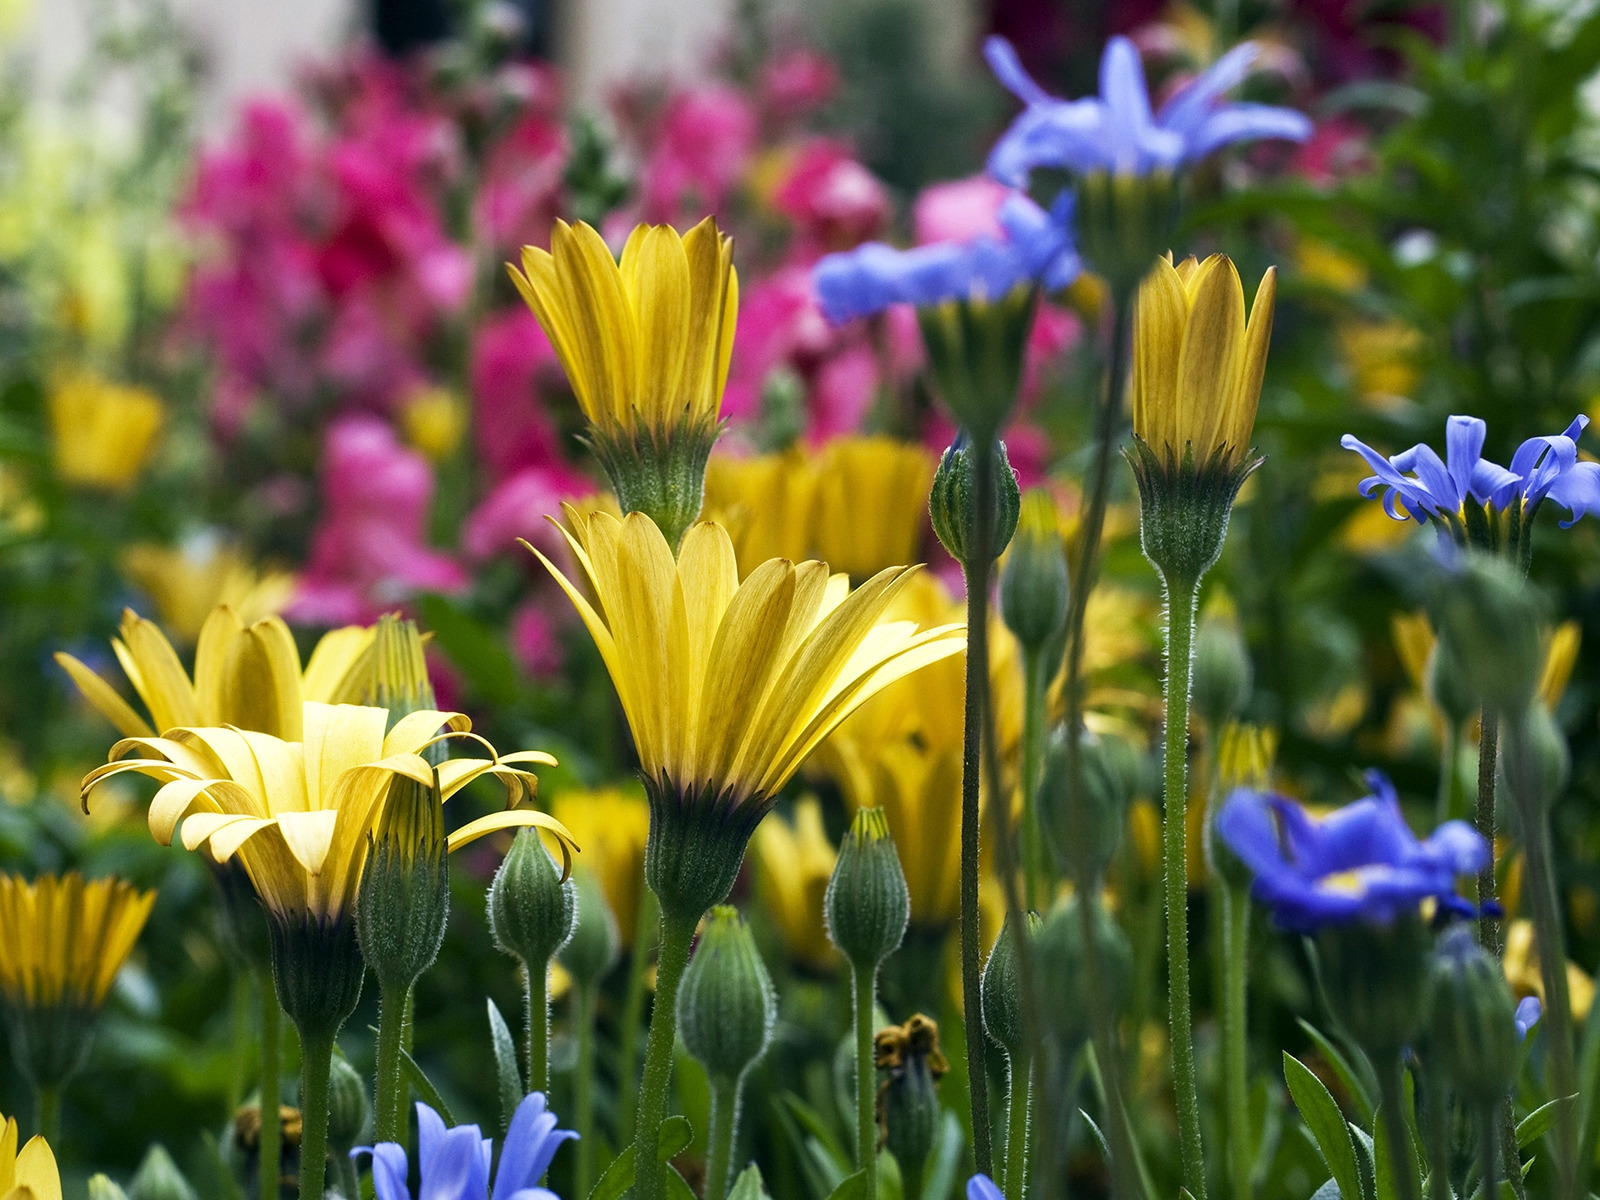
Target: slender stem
[316,1058]
[863,980]
[1235,1041]
[1034,715]
[1488,749]
[1489,1145]
[1182,599]
[1436,1128]
[47,1109]
[719,1139]
[1557,1018]
[1019,1106]
[346,1178]
[389,1090]
[1391,1111]
[1511,1153]
[971,767]
[271,1089]
[677,936]
[241,1037]
[536,979]
[633,1018]
[583,1006]
[1449,741]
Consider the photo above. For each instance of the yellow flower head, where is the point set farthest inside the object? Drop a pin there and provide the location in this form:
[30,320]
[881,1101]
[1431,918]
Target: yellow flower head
[793,865]
[190,580]
[1244,756]
[610,825]
[30,1175]
[434,420]
[62,940]
[871,503]
[103,431]
[1197,363]
[298,814]
[765,502]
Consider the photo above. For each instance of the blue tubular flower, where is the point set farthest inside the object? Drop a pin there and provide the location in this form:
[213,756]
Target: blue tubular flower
[455,1162]
[1548,468]
[1528,1013]
[1361,863]
[1116,130]
[1037,248]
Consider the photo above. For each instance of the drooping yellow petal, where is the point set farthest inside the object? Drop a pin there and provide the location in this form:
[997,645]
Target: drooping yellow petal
[515,818]
[104,698]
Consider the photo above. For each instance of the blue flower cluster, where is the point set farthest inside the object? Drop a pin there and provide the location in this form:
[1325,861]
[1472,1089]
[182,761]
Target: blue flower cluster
[1360,863]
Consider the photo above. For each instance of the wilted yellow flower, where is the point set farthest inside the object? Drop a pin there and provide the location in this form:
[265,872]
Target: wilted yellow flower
[793,866]
[103,431]
[871,503]
[1197,362]
[30,1175]
[434,421]
[63,940]
[766,503]
[610,825]
[248,676]
[1524,975]
[188,581]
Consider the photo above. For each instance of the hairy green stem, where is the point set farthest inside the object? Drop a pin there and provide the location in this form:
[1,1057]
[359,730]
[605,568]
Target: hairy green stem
[677,936]
[1019,1109]
[1488,750]
[1544,905]
[1436,1129]
[389,1089]
[270,1158]
[971,768]
[241,1037]
[724,1125]
[583,1009]
[863,982]
[1235,1039]
[1183,597]
[1487,1122]
[633,1017]
[1035,712]
[536,982]
[316,1059]
[1391,1111]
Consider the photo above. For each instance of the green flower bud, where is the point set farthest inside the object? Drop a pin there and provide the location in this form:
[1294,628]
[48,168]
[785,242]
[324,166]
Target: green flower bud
[1110,770]
[1472,1026]
[908,1101]
[1033,583]
[595,944]
[953,504]
[976,349]
[158,1178]
[1534,759]
[867,904]
[1223,673]
[726,1004]
[1124,220]
[531,911]
[399,681]
[1377,982]
[347,1107]
[1063,970]
[1447,686]
[403,904]
[101,1187]
[1489,621]
[1002,990]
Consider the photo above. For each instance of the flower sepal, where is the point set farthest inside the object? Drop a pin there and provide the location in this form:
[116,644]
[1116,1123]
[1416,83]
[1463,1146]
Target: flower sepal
[1184,507]
[976,348]
[403,905]
[695,847]
[51,1041]
[659,472]
[1377,980]
[317,969]
[1125,220]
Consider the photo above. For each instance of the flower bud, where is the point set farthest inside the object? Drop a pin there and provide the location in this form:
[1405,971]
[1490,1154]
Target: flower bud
[347,1107]
[1002,990]
[595,944]
[102,1187]
[1534,759]
[158,1178]
[1109,769]
[867,904]
[1376,980]
[1033,583]
[1472,1026]
[1447,685]
[404,900]
[953,504]
[531,911]
[1063,969]
[726,1005]
[908,1101]
[976,350]
[1489,622]
[1223,673]
[399,680]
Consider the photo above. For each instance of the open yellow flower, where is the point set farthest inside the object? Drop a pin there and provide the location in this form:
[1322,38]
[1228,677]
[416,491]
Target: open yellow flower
[729,686]
[31,1174]
[765,502]
[298,814]
[793,865]
[1197,362]
[872,502]
[63,940]
[103,431]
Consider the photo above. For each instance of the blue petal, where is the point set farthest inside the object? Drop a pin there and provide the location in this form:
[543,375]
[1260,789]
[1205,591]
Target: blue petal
[1386,476]
[1463,447]
[453,1169]
[1188,107]
[1458,848]
[1008,69]
[1246,122]
[981,1187]
[531,1142]
[388,1170]
[1578,491]
[1246,825]
[430,1133]
[1528,1014]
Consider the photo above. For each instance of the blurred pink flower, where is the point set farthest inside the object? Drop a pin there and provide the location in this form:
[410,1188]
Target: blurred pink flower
[700,148]
[1337,149]
[367,552]
[959,210]
[510,358]
[779,325]
[521,195]
[533,640]
[796,82]
[834,201]
[842,392]
[518,508]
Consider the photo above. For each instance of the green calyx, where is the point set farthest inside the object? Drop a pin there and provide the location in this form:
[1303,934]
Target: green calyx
[531,910]
[953,504]
[1063,977]
[1471,1034]
[50,1043]
[317,970]
[158,1178]
[402,909]
[1002,990]
[1124,221]
[1033,582]
[399,680]
[867,905]
[1377,980]
[659,472]
[1184,507]
[976,350]
[727,1005]
[695,847]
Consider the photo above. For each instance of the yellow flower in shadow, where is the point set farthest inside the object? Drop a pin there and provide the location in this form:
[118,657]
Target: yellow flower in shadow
[103,431]
[611,824]
[1523,972]
[190,580]
[766,504]
[31,1174]
[63,940]
[871,503]
[793,865]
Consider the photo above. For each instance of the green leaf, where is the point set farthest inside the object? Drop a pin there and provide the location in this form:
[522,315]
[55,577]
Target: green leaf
[505,1064]
[813,1124]
[1326,1123]
[676,1188]
[940,1181]
[749,1185]
[425,1089]
[852,1187]
[1358,1088]
[676,1134]
[1537,1123]
[1383,1163]
[474,648]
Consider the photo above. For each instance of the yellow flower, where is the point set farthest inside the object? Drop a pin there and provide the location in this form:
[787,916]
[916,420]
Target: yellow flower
[434,421]
[30,1175]
[1526,979]
[920,792]
[1245,755]
[298,814]
[1197,363]
[871,502]
[610,825]
[766,504]
[189,580]
[103,431]
[248,676]
[1382,359]
[793,865]
[62,940]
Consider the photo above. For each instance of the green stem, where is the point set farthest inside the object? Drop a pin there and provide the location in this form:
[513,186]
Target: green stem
[1436,1119]
[316,1058]
[863,980]
[1019,1104]
[971,767]
[583,1005]
[1544,904]
[1235,1038]
[677,936]
[389,1089]
[724,1123]
[1183,597]
[346,1178]
[1488,749]
[1391,1111]
[270,1159]
[633,1018]
[536,978]
[1034,715]
[1444,806]
[242,1039]
[911,1180]
[47,1109]
[1489,1145]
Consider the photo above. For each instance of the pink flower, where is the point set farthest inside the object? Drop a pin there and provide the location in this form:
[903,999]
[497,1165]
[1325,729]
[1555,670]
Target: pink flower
[835,201]
[1337,149]
[518,508]
[701,149]
[522,186]
[510,358]
[533,640]
[779,325]
[959,211]
[842,392]
[796,82]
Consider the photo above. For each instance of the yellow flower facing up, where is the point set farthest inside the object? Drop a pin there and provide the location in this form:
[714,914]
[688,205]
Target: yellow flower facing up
[729,686]
[298,814]
[103,431]
[31,1174]
[793,865]
[190,580]
[63,940]
[611,825]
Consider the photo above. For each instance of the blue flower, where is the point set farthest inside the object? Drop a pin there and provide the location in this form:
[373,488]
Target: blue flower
[1527,1015]
[981,1187]
[1359,863]
[1542,468]
[455,1162]
[1037,248]
[1116,130]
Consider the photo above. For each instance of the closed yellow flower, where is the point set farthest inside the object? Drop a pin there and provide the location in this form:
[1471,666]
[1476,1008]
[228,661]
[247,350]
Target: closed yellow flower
[63,940]
[190,580]
[610,824]
[793,865]
[103,431]
[31,1174]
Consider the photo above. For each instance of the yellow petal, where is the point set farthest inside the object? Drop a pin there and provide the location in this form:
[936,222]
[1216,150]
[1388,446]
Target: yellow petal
[524,817]
[541,290]
[1160,313]
[1253,366]
[162,681]
[103,697]
[211,654]
[1208,366]
[655,271]
[337,738]
[601,318]
[339,653]
[36,1170]
[415,730]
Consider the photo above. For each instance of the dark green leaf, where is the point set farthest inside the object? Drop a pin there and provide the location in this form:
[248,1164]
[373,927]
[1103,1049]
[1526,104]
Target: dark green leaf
[1354,1084]
[1326,1123]
[505,1064]
[1537,1123]
[852,1187]
[425,1089]
[676,1134]
[749,1185]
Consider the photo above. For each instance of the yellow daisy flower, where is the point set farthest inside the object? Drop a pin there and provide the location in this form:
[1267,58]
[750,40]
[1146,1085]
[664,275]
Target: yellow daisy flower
[31,1174]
